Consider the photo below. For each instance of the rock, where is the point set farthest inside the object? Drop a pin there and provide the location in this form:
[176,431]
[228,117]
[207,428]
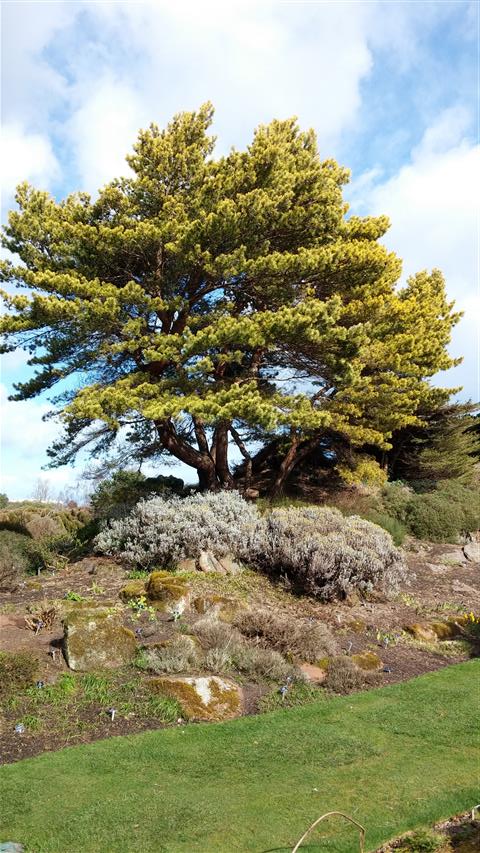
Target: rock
[96,639]
[422,632]
[216,605]
[208,697]
[188,565]
[251,494]
[207,562]
[133,589]
[472,551]
[230,565]
[445,630]
[464,588]
[367,661]
[313,673]
[167,592]
[453,558]
[11,847]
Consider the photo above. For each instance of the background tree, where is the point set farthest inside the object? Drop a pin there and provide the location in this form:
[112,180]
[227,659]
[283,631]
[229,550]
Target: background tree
[205,301]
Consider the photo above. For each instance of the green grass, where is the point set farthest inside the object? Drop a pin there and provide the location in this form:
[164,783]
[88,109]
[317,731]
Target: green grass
[395,758]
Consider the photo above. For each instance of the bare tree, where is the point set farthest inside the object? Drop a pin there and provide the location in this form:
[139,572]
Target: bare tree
[42,491]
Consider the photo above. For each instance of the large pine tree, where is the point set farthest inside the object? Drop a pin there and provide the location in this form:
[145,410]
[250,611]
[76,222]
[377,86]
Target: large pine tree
[207,301]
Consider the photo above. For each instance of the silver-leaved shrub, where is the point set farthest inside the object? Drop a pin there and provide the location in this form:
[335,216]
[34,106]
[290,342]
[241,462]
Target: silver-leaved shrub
[162,531]
[324,554]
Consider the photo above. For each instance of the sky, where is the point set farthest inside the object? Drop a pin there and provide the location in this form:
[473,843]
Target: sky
[391,89]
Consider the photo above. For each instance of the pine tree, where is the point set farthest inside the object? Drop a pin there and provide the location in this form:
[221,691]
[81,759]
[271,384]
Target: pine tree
[201,301]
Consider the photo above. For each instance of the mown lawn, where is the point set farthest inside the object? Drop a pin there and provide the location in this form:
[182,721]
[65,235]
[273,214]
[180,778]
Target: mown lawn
[394,758]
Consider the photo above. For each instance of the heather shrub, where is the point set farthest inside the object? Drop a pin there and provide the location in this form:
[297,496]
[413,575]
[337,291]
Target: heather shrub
[344,677]
[300,638]
[162,531]
[178,655]
[326,555]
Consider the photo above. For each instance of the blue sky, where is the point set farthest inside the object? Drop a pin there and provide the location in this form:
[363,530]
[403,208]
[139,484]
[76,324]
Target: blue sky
[390,87]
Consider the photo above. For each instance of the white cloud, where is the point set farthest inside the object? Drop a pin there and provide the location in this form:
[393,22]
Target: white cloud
[433,207]
[25,157]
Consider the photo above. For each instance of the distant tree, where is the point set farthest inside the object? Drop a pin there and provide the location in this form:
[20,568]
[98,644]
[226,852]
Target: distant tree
[444,447]
[116,495]
[3,500]
[42,491]
[203,302]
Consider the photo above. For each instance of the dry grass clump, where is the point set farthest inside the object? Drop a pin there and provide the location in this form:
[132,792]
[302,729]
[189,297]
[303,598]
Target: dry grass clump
[178,655]
[344,677]
[301,638]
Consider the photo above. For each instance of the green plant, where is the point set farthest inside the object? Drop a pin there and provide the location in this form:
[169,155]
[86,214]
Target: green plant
[296,695]
[140,605]
[396,528]
[138,574]
[421,842]
[116,495]
[3,500]
[73,596]
[17,671]
[96,589]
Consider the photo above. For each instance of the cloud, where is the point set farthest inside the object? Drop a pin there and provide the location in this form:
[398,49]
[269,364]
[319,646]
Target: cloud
[25,157]
[434,214]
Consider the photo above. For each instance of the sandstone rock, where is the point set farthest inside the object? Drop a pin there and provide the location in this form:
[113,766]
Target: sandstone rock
[472,551]
[445,630]
[313,673]
[167,591]
[208,697]
[367,661]
[453,558]
[207,562]
[422,632]
[216,605]
[230,565]
[96,639]
[251,494]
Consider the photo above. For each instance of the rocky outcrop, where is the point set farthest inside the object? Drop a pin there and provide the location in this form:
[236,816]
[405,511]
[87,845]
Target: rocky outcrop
[95,639]
[167,591]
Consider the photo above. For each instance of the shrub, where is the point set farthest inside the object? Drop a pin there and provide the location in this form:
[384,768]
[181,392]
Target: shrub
[445,513]
[162,531]
[17,671]
[258,663]
[421,842]
[393,526]
[324,554]
[343,676]
[116,496]
[178,655]
[215,634]
[3,500]
[301,638]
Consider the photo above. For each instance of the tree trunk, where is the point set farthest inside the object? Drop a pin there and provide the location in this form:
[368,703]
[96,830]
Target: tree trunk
[200,460]
[295,454]
[221,454]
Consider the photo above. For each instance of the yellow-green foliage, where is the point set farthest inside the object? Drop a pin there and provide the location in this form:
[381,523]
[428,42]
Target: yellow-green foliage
[364,470]
[367,660]
[132,589]
[187,285]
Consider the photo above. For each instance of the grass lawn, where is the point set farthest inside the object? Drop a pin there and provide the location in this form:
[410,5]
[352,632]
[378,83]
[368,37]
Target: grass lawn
[394,758]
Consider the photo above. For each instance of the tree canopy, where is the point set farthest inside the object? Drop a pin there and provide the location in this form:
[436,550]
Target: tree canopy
[203,301]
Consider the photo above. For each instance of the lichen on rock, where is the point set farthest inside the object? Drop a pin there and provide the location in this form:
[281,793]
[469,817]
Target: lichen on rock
[367,661]
[208,698]
[166,590]
[95,639]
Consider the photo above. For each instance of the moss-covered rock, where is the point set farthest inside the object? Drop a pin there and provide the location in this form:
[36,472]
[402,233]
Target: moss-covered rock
[220,606]
[166,590]
[132,589]
[95,639]
[208,697]
[368,661]
[421,632]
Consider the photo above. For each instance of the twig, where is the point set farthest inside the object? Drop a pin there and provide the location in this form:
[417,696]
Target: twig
[328,814]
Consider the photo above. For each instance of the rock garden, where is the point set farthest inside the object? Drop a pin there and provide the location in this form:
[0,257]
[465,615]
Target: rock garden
[209,607]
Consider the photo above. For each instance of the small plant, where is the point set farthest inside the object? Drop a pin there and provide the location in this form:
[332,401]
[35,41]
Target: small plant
[73,596]
[305,639]
[140,605]
[178,655]
[96,589]
[343,676]
[421,842]
[138,574]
